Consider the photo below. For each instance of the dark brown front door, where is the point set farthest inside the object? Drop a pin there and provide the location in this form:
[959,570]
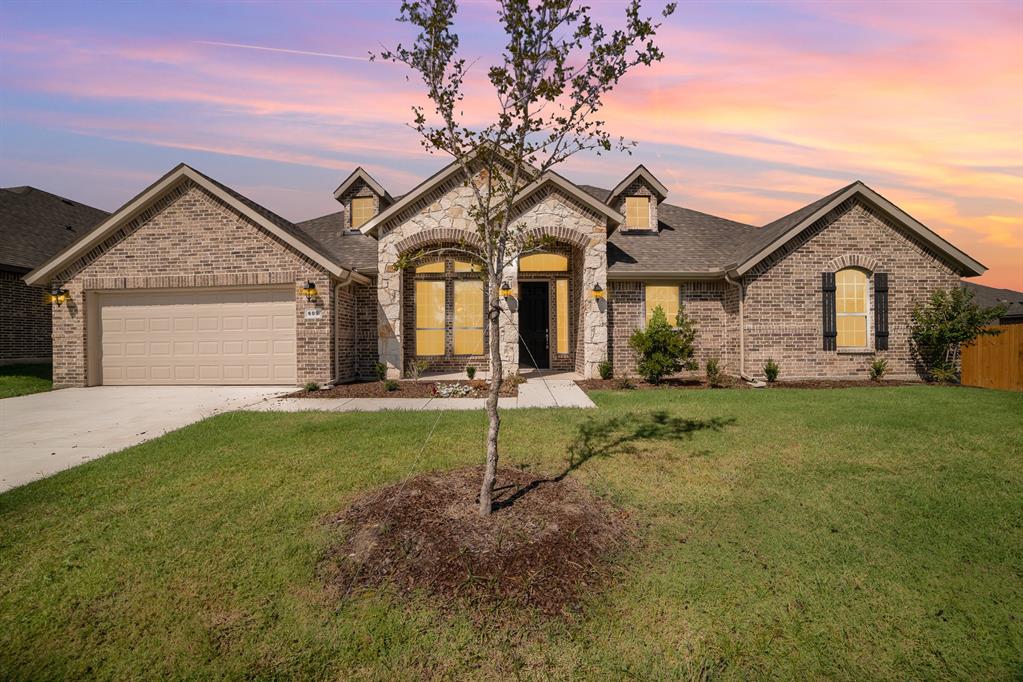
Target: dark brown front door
[534,325]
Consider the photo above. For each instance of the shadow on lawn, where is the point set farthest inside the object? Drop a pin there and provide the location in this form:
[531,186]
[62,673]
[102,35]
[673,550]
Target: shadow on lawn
[600,437]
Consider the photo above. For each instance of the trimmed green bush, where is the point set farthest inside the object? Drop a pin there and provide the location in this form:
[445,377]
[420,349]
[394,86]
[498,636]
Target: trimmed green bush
[605,369]
[664,350]
[771,370]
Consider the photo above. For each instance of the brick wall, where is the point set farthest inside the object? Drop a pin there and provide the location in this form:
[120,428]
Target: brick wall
[638,188]
[712,305]
[368,355]
[25,325]
[358,189]
[189,238]
[783,295]
[346,334]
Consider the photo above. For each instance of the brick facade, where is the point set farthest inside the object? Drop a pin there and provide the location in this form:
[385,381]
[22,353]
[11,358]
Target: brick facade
[189,238]
[783,294]
[25,326]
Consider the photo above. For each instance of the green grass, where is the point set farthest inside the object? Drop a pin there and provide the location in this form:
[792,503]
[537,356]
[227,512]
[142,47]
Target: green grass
[857,534]
[24,379]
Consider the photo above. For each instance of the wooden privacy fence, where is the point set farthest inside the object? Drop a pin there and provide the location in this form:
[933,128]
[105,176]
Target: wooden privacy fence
[996,361]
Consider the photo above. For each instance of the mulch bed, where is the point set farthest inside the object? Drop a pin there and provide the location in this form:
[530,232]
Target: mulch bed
[546,544]
[733,382]
[406,389]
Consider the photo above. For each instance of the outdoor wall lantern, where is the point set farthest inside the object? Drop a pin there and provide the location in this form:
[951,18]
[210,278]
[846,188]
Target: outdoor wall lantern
[506,290]
[598,292]
[309,291]
[58,296]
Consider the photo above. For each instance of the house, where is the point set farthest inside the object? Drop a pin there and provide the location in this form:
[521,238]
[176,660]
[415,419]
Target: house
[34,225]
[990,297]
[191,282]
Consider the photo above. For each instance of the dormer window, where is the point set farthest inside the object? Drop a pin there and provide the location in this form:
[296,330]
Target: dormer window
[362,210]
[637,213]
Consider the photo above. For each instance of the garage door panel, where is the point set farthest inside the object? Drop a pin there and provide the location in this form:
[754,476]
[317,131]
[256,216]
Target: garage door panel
[198,336]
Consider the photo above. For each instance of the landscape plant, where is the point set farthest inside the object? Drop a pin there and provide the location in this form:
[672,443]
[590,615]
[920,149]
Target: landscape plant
[664,350]
[771,370]
[713,370]
[556,67]
[605,369]
[380,369]
[417,368]
[390,385]
[878,368]
[470,372]
[940,326]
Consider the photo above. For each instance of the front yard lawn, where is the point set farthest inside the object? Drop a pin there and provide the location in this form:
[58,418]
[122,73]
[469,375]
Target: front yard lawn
[856,534]
[24,379]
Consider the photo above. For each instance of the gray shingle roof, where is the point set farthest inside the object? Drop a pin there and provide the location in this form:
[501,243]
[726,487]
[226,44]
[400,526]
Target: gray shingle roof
[686,241]
[990,296]
[34,225]
[352,250]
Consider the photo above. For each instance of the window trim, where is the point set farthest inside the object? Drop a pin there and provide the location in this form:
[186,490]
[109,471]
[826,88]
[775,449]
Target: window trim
[867,302]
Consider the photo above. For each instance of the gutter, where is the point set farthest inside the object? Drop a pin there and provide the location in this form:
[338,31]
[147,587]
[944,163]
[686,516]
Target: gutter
[742,326]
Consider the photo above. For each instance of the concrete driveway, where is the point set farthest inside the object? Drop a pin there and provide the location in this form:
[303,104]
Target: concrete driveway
[43,433]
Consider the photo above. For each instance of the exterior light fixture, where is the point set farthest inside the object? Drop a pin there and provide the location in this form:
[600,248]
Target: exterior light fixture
[309,290]
[57,295]
[505,290]
[598,291]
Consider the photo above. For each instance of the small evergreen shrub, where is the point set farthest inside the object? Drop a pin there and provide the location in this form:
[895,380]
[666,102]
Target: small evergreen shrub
[713,369]
[878,368]
[390,385]
[664,350]
[470,372]
[624,384]
[605,369]
[312,386]
[771,370]
[380,369]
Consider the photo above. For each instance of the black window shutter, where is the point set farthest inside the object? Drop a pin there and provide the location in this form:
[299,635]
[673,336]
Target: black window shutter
[880,311]
[828,310]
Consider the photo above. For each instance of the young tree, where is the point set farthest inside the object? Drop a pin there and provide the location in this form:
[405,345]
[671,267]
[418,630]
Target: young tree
[946,322]
[556,67]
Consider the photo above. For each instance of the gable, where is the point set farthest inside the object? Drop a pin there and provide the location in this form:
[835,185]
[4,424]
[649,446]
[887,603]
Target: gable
[187,231]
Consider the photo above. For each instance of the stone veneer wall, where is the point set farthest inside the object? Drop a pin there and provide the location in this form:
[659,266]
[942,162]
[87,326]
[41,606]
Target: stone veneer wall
[25,326]
[443,213]
[783,295]
[189,238]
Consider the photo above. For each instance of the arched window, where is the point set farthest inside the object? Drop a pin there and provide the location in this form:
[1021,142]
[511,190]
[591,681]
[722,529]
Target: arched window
[851,308]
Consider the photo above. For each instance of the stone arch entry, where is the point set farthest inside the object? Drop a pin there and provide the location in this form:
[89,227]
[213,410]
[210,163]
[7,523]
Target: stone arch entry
[439,236]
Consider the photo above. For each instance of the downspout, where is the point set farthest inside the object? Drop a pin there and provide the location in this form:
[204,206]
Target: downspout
[742,325]
[337,347]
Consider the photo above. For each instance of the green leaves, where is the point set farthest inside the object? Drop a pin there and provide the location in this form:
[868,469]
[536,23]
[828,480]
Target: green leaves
[663,350]
[947,321]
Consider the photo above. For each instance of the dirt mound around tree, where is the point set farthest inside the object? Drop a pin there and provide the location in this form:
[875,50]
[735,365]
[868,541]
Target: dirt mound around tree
[546,544]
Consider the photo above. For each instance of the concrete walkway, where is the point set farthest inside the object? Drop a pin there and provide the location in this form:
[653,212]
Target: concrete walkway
[535,392]
[43,433]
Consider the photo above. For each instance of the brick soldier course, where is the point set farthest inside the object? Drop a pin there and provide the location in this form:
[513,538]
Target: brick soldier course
[754,293]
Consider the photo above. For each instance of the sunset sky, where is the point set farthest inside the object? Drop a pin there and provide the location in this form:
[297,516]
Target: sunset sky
[757,109]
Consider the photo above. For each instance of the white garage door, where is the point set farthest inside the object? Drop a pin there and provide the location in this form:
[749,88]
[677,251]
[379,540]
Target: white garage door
[196,337]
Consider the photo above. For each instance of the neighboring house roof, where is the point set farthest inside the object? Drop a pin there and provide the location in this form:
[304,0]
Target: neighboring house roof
[640,172]
[360,174]
[775,235]
[265,218]
[35,224]
[990,296]
[351,248]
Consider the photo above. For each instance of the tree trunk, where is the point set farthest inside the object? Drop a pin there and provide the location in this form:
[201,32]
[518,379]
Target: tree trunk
[496,379]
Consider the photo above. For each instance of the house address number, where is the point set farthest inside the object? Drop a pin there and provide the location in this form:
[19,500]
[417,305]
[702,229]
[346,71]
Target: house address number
[313,314]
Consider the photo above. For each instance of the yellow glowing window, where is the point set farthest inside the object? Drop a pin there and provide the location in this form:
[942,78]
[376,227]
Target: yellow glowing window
[664,296]
[851,308]
[468,326]
[462,266]
[429,318]
[561,304]
[431,267]
[637,213]
[362,210]
[543,262]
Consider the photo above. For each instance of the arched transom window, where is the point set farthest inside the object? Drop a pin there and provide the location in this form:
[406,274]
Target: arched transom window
[851,308]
